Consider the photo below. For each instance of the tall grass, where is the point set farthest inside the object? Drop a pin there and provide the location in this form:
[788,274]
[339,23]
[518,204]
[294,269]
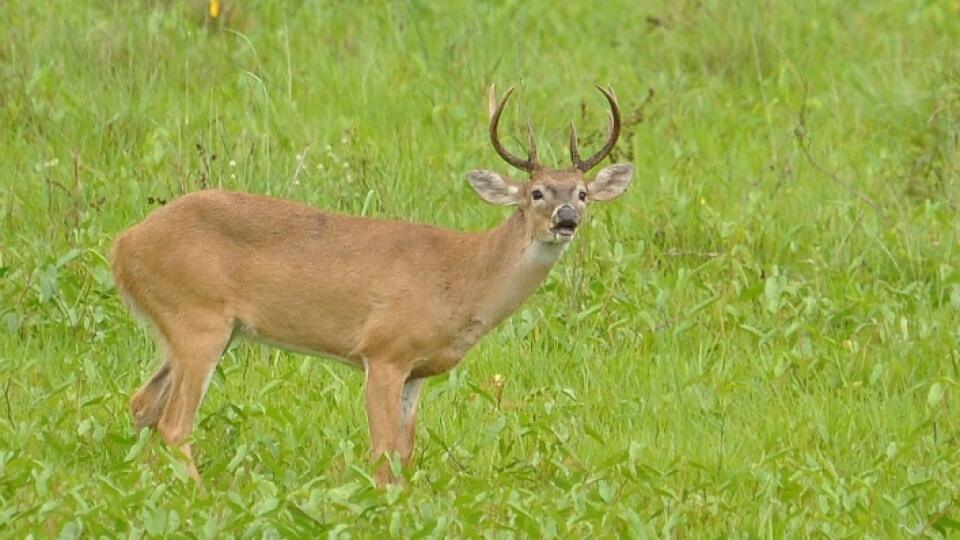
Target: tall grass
[761,339]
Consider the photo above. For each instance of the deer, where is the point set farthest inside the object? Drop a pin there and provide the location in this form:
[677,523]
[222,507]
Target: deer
[400,301]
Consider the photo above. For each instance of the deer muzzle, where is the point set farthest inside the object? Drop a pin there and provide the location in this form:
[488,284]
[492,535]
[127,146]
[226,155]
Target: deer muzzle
[565,220]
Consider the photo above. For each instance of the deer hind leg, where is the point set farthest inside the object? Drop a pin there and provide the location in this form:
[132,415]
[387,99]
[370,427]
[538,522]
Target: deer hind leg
[408,418]
[148,403]
[196,344]
[383,394]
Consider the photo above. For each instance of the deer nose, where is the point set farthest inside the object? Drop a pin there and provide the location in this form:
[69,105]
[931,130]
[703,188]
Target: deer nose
[566,215]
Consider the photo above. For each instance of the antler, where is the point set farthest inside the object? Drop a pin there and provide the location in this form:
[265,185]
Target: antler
[611,140]
[530,164]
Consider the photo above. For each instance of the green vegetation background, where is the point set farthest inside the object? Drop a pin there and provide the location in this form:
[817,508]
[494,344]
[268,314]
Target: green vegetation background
[759,340]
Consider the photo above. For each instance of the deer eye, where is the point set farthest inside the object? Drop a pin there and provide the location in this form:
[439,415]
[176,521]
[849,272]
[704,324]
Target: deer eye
[583,195]
[536,194]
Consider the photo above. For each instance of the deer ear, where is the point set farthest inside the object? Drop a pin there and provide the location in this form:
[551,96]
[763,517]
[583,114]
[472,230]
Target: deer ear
[611,182]
[493,188]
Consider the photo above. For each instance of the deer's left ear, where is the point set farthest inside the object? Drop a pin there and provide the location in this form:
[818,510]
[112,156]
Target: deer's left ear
[493,188]
[611,182]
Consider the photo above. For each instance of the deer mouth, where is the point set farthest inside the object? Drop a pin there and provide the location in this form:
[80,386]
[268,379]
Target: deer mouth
[564,230]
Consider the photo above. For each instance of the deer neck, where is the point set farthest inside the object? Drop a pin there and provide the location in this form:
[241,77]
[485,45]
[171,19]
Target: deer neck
[509,266]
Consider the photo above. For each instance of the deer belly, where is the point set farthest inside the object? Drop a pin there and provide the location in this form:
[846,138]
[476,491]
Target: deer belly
[309,329]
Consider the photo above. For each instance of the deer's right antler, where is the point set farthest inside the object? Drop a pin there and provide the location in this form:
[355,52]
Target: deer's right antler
[530,164]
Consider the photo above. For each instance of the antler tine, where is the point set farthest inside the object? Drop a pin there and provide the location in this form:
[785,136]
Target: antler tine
[611,140]
[574,151]
[532,151]
[529,164]
[491,100]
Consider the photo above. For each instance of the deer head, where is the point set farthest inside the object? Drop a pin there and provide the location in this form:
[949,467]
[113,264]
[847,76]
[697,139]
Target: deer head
[555,200]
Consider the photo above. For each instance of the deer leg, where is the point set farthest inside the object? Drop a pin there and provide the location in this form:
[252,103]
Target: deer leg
[148,403]
[383,390]
[194,354]
[408,418]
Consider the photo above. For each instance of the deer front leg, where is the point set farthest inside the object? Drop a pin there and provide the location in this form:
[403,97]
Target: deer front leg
[383,391]
[408,418]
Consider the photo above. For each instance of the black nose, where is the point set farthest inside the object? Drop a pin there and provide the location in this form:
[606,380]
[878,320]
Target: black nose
[566,215]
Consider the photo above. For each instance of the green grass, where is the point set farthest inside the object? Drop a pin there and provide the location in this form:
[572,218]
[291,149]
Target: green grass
[756,341]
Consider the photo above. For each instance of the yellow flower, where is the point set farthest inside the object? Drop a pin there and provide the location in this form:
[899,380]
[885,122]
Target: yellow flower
[214,8]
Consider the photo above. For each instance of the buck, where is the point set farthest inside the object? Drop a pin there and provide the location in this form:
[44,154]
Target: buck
[401,301]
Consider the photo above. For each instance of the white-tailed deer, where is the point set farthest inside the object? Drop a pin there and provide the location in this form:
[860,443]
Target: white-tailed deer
[401,301]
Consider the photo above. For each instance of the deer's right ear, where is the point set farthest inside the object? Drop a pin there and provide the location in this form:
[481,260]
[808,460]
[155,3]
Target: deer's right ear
[493,188]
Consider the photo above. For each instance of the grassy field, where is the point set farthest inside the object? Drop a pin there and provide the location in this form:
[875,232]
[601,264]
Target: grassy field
[761,339]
